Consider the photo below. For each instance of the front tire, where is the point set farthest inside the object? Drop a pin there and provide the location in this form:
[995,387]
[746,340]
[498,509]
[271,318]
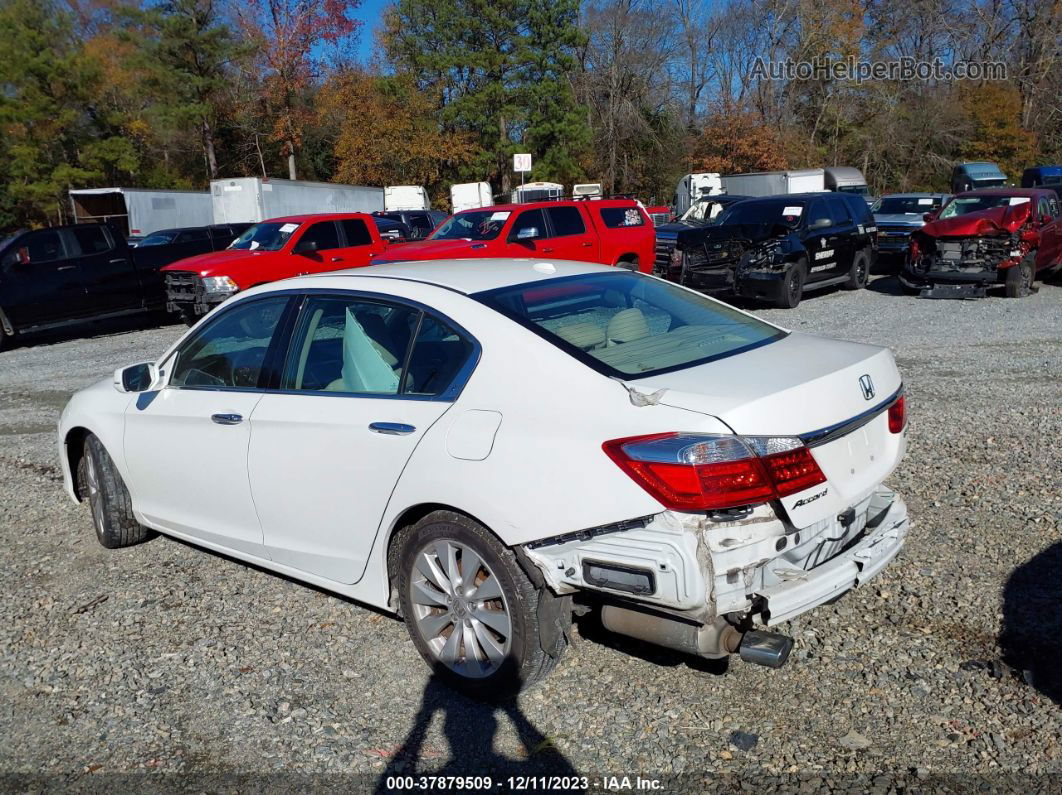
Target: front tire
[112,508]
[1020,277]
[470,609]
[792,287]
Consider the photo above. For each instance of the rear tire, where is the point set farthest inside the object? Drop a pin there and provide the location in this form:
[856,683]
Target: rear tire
[492,658]
[627,264]
[1020,277]
[112,508]
[792,287]
[859,272]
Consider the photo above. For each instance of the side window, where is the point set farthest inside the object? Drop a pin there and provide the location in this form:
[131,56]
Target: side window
[324,234]
[349,345]
[615,217]
[230,351]
[421,223]
[529,225]
[839,214]
[1046,208]
[566,221]
[438,354]
[817,213]
[91,239]
[43,246]
[1054,208]
[356,232]
[191,235]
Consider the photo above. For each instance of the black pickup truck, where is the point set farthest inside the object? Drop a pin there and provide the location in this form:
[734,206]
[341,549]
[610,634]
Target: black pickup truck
[774,248]
[68,274]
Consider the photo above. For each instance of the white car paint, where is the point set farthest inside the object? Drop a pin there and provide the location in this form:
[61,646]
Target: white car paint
[302,487]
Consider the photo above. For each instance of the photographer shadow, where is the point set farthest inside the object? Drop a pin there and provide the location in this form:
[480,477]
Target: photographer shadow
[470,727]
[1031,638]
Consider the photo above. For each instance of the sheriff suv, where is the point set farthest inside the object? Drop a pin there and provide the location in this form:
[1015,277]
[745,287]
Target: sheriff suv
[606,231]
[776,247]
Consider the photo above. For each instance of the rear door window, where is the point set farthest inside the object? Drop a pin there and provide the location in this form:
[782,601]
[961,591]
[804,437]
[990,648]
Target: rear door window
[839,214]
[191,235]
[439,353]
[356,232]
[91,239]
[566,221]
[324,234]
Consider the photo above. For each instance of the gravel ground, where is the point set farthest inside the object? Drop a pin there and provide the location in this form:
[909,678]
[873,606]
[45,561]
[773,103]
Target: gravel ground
[941,673]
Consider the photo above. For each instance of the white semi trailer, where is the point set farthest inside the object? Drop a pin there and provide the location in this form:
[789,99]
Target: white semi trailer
[253,199]
[141,211]
[470,195]
[774,183]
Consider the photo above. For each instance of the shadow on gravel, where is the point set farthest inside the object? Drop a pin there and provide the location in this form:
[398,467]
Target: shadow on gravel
[93,328]
[888,285]
[1031,638]
[470,727]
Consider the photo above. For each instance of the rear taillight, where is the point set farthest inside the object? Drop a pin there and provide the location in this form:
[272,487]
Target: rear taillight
[700,472]
[898,415]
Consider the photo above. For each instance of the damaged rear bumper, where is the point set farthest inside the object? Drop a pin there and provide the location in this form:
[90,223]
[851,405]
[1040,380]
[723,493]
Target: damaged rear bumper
[757,569]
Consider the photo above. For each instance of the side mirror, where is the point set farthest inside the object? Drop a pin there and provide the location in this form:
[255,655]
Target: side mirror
[1045,219]
[22,256]
[821,223]
[929,217]
[527,233]
[136,377]
[305,247]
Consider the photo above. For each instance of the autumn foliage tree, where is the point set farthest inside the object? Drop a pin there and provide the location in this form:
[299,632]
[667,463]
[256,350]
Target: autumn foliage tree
[734,142]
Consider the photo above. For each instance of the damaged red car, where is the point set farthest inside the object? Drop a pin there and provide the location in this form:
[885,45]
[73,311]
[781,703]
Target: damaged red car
[981,239]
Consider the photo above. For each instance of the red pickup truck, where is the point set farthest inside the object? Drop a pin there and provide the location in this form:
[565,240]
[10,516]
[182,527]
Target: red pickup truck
[609,231]
[275,249]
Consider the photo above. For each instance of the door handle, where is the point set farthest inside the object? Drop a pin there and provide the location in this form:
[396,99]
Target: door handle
[337,259]
[392,428]
[116,261]
[227,419]
[66,267]
[546,250]
[588,243]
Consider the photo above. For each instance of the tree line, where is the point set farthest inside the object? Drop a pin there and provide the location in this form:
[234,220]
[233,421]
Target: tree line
[629,93]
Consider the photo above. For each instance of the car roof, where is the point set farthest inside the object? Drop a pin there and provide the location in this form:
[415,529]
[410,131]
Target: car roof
[557,203]
[466,276]
[912,195]
[1030,192]
[314,217]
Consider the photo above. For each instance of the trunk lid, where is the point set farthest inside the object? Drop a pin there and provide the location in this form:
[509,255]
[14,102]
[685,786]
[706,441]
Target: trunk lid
[806,386]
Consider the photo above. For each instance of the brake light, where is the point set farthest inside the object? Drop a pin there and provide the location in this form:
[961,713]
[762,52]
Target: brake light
[898,415]
[701,472]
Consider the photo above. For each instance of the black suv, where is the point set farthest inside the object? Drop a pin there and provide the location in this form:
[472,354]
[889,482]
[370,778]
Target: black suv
[775,247]
[420,223]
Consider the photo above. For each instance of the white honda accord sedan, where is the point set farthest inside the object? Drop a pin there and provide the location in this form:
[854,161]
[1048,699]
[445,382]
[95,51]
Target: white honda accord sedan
[485,446]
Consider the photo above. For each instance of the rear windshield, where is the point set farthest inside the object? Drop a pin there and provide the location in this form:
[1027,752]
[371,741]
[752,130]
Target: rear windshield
[962,205]
[907,205]
[627,324]
[472,225]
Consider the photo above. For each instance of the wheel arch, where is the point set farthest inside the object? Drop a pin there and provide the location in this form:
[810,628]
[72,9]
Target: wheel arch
[74,450]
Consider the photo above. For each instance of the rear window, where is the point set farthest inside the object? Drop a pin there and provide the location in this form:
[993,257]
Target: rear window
[627,325]
[616,217]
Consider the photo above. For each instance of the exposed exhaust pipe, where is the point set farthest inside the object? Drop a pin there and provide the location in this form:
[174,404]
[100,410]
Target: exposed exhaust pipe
[715,640]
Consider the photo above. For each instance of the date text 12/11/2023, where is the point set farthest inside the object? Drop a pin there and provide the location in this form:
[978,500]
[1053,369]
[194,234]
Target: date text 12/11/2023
[523,783]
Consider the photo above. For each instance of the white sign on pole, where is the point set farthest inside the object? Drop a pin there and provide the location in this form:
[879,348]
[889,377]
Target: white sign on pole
[522,162]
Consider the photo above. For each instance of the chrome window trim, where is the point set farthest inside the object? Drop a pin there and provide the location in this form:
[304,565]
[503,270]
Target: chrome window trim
[834,432]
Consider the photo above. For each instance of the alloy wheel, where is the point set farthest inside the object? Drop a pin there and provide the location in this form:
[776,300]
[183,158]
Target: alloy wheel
[95,498]
[459,608]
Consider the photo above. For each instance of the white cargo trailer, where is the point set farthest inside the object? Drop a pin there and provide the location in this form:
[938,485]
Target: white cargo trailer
[774,183]
[587,190]
[406,197]
[253,199]
[692,187]
[141,211]
[537,192]
[470,195]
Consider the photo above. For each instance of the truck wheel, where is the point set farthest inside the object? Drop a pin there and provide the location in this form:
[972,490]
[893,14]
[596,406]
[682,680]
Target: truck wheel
[470,609]
[1020,277]
[112,509]
[859,272]
[627,264]
[792,287]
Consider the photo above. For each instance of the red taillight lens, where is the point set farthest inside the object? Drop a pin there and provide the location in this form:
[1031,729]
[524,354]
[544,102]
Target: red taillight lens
[691,472]
[898,415]
[793,471]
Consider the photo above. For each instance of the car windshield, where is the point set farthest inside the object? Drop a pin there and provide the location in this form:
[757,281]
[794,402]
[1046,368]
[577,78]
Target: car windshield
[626,324]
[702,213]
[780,211]
[267,236]
[963,205]
[155,240]
[472,225]
[907,205]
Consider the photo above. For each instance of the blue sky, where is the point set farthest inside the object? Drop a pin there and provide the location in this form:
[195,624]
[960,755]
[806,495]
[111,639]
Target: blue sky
[369,13]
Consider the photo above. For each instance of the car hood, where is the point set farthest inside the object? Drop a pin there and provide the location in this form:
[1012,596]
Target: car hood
[676,228]
[211,261]
[993,221]
[912,220]
[434,249]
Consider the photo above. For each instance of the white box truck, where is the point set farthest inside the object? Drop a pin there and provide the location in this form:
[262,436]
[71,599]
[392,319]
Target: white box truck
[774,183]
[140,211]
[470,195]
[692,187]
[253,199]
[406,197]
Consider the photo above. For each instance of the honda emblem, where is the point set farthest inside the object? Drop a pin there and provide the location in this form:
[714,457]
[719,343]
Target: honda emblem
[867,386]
